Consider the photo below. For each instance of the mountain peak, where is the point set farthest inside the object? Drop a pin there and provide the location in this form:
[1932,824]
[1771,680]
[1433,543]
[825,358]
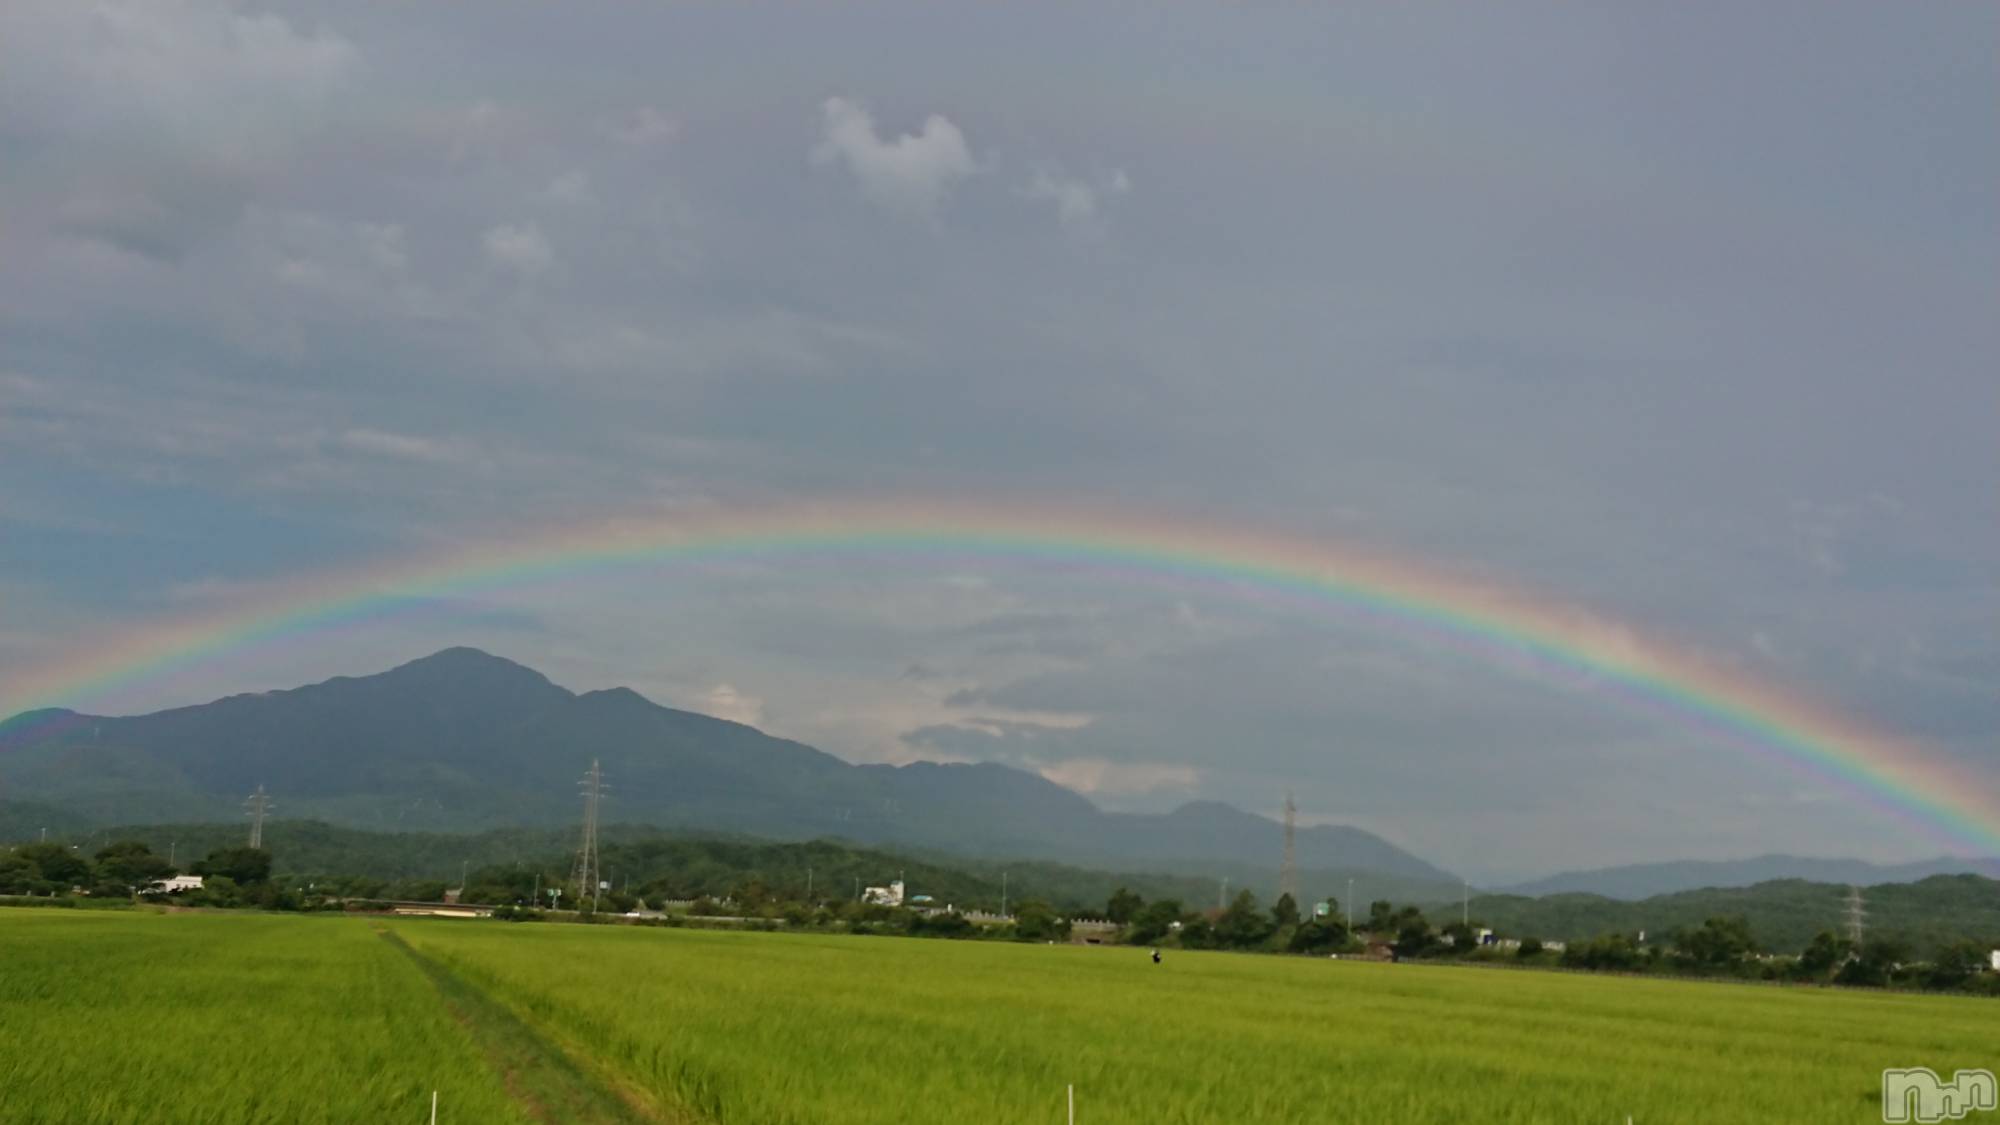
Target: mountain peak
[465,739]
[461,656]
[463,665]
[617,697]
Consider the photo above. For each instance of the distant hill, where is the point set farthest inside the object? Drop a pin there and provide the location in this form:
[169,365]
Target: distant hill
[26,820]
[1644,880]
[635,855]
[463,741]
[1783,914]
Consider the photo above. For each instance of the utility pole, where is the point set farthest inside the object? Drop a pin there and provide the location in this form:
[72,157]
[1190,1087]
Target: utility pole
[1288,869]
[1857,917]
[809,883]
[257,807]
[1465,918]
[586,875]
[1350,904]
[1003,894]
[1222,896]
[463,865]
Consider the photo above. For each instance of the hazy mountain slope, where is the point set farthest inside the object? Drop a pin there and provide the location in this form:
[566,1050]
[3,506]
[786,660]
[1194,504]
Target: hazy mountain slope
[1783,915]
[1645,880]
[462,741]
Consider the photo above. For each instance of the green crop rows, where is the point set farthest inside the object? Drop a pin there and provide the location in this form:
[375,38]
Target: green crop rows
[132,1017]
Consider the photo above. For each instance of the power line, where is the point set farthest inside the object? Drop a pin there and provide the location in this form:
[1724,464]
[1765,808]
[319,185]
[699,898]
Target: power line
[257,807]
[1288,870]
[587,853]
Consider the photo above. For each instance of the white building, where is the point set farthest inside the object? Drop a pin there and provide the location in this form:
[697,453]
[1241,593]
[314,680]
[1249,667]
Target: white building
[175,885]
[1996,960]
[891,895]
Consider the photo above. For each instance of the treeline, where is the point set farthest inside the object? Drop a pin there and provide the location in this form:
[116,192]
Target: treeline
[641,860]
[1725,947]
[1717,947]
[1787,915]
[125,869]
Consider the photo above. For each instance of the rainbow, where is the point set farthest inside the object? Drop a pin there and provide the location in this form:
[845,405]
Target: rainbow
[1389,592]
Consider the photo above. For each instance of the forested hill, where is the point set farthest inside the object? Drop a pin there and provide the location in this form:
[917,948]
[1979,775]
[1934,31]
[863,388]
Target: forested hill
[1646,880]
[1783,914]
[464,741]
[689,864]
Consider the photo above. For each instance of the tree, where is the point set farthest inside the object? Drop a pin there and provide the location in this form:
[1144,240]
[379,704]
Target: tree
[131,864]
[1464,936]
[1719,942]
[1124,905]
[1381,916]
[1414,938]
[1153,921]
[1198,933]
[18,876]
[1826,952]
[1318,936]
[1242,925]
[413,890]
[1606,951]
[1284,912]
[1530,947]
[242,866]
[57,863]
[1035,920]
[1876,963]
[1956,963]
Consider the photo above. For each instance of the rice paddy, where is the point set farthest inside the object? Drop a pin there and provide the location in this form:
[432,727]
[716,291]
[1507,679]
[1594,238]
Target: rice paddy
[132,1017]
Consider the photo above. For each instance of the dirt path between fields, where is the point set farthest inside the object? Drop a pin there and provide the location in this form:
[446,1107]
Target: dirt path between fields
[551,1086]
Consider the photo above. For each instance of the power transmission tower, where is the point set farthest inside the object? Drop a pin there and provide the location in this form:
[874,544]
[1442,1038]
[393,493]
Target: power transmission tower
[586,874]
[257,807]
[1857,917]
[1288,871]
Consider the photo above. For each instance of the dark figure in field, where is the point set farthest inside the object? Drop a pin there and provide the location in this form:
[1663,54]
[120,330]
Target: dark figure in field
[1156,956]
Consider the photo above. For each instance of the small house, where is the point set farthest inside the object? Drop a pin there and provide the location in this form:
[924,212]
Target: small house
[891,895]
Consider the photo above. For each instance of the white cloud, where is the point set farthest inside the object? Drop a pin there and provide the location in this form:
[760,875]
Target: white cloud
[724,701]
[521,248]
[178,65]
[1077,200]
[152,124]
[1097,776]
[911,173]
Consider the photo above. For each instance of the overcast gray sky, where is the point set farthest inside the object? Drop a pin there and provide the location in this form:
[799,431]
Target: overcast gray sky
[1682,315]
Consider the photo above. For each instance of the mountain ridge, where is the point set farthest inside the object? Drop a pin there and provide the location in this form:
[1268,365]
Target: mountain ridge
[462,740]
[1636,881]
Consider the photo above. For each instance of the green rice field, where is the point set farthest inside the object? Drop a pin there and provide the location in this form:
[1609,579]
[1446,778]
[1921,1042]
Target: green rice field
[131,1017]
